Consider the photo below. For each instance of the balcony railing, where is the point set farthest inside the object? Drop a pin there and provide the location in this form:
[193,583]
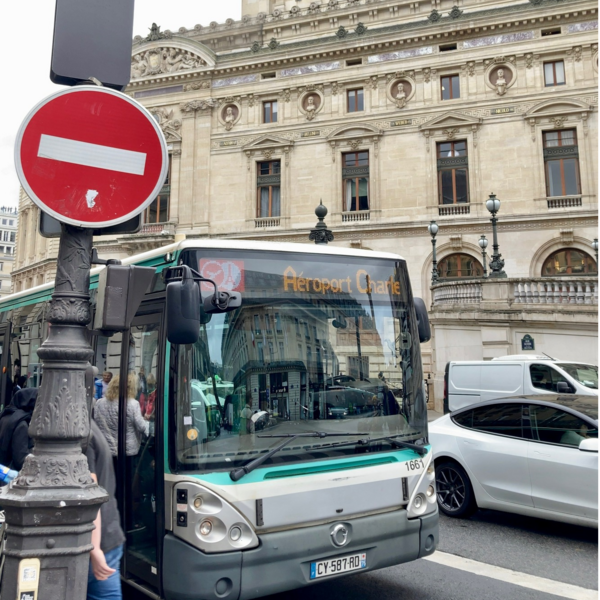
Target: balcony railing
[564,202]
[509,292]
[267,222]
[558,291]
[157,229]
[448,210]
[356,215]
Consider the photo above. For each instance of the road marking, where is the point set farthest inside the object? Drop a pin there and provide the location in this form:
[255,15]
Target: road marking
[92,155]
[532,582]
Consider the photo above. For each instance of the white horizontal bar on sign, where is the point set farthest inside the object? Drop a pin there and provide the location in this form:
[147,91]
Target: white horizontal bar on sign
[92,155]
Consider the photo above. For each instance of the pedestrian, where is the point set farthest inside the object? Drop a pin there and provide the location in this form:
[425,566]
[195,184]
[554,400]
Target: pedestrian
[106,413]
[106,377]
[15,442]
[98,392]
[104,580]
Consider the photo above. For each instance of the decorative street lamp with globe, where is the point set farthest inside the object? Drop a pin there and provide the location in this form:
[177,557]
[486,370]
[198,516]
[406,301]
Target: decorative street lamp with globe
[483,244]
[433,228]
[497,263]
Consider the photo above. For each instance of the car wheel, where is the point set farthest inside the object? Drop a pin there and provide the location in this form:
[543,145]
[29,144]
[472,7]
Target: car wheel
[454,490]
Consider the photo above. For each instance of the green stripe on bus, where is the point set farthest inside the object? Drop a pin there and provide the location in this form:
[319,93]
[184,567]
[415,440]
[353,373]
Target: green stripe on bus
[308,468]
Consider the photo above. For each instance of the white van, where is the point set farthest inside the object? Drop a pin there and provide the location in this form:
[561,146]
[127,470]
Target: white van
[467,382]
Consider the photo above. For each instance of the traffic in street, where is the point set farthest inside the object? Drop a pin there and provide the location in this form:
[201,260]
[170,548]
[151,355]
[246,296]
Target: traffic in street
[507,556]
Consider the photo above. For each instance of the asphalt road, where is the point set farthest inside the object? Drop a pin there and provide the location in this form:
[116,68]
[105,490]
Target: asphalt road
[552,551]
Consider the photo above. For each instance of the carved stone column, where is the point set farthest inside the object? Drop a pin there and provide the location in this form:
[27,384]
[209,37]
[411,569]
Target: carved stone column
[51,506]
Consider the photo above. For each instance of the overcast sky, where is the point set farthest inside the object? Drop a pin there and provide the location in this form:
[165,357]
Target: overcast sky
[28,26]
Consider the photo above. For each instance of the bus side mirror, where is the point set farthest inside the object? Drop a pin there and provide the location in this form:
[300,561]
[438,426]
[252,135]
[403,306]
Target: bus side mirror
[184,313]
[422,320]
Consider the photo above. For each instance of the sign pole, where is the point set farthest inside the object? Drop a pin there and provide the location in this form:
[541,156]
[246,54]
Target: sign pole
[50,508]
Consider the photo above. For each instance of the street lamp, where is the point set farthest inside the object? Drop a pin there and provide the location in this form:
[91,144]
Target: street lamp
[595,247]
[483,244]
[433,228]
[497,263]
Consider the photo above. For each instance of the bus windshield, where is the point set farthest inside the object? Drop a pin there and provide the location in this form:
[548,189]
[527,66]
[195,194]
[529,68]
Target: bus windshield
[321,344]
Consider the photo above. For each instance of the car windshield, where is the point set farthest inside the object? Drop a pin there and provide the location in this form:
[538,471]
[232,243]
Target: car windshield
[586,374]
[326,345]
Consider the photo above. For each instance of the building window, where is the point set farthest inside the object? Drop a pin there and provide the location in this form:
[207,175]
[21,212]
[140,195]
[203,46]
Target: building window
[459,265]
[355,101]
[281,351]
[450,87]
[5,236]
[569,262]
[256,324]
[268,181]
[158,211]
[1,266]
[13,235]
[278,326]
[4,221]
[554,73]
[453,172]
[355,176]
[11,222]
[561,158]
[270,111]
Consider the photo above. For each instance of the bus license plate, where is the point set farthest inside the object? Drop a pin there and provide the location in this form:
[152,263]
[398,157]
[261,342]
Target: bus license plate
[333,566]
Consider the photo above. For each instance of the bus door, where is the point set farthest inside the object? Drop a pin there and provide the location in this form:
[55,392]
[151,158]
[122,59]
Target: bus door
[5,366]
[140,460]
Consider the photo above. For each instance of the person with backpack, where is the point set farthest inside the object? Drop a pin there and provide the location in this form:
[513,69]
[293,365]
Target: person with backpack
[15,442]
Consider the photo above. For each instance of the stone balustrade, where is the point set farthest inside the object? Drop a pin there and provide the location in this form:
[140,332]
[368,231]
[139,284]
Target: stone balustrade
[517,291]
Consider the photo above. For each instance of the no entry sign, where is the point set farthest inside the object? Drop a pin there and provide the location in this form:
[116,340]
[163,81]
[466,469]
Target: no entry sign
[90,156]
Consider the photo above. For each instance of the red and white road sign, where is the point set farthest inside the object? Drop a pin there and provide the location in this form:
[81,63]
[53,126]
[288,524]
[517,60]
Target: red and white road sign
[90,156]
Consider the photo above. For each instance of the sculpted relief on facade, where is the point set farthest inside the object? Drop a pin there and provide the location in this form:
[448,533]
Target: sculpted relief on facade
[163,61]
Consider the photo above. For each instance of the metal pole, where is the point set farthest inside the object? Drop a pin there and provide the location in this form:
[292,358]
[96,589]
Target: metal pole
[51,506]
[485,273]
[497,263]
[434,270]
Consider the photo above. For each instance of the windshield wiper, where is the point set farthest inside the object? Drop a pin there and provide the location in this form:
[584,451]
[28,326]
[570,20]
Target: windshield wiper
[237,474]
[421,450]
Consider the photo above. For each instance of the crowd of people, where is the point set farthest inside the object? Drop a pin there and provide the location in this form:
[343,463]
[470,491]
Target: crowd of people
[101,450]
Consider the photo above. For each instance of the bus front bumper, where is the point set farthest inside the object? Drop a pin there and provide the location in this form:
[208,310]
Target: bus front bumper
[282,560]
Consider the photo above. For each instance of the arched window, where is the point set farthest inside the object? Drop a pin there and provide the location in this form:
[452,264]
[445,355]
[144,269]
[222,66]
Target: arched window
[459,265]
[569,261]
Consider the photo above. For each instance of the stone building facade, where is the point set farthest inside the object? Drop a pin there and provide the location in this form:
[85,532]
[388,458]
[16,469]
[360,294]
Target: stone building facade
[393,113]
[9,219]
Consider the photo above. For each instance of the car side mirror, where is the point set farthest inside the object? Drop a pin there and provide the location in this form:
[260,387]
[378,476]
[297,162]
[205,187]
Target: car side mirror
[589,445]
[562,387]
[422,320]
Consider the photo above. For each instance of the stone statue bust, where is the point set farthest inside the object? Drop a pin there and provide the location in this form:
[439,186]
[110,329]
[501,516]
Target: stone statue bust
[400,96]
[500,83]
[229,118]
[311,108]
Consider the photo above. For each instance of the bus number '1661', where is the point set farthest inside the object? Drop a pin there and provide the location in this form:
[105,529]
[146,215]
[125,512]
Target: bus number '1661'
[414,465]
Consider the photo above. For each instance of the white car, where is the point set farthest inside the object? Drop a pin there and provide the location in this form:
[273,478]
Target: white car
[531,455]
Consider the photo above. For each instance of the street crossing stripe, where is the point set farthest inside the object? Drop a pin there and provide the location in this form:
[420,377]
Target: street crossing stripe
[92,155]
[532,582]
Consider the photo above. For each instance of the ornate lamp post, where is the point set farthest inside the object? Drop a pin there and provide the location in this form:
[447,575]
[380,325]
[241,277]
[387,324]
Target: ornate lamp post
[433,228]
[595,247]
[483,244]
[321,234]
[497,262]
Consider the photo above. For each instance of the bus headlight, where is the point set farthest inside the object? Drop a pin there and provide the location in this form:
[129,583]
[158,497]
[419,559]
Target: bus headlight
[418,501]
[235,533]
[205,528]
[208,522]
[430,491]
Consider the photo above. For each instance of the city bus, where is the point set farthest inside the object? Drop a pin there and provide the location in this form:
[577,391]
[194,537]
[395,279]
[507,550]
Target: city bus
[286,443]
